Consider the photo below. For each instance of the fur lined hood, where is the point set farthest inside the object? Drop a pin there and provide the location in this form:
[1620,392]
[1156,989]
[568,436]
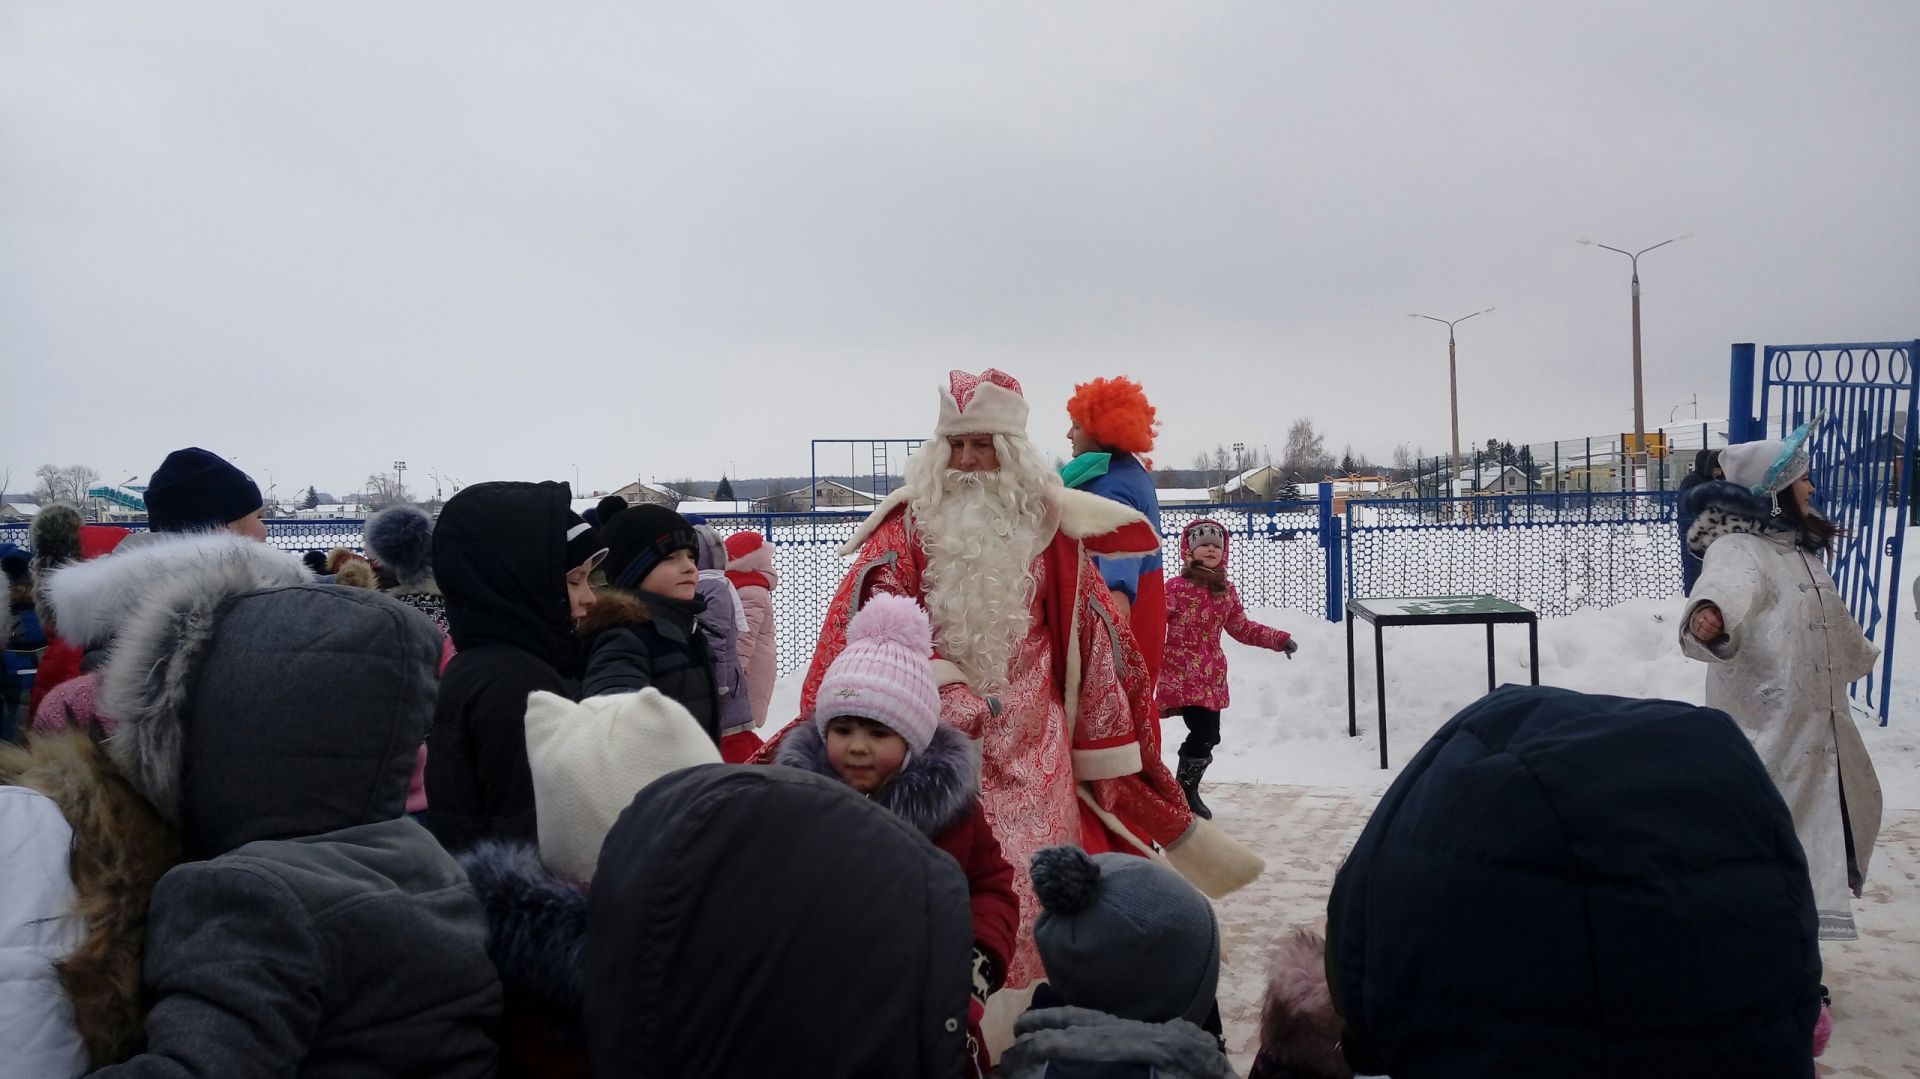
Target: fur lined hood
[1176,1050]
[619,607]
[1720,508]
[536,927]
[933,792]
[1299,1030]
[120,850]
[243,679]
[92,600]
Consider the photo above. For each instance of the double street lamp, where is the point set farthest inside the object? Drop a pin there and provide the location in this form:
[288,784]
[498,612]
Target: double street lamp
[1453,388]
[1639,400]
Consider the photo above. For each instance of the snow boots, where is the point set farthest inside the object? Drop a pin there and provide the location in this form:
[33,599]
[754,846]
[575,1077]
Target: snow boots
[1192,770]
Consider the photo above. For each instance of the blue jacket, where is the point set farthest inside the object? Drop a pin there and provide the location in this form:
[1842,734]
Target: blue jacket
[1126,481]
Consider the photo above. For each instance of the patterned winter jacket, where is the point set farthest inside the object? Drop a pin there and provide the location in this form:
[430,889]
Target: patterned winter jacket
[1193,673]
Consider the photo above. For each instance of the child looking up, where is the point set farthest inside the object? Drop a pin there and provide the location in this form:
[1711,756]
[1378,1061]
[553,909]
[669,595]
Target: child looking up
[1193,677]
[877,729]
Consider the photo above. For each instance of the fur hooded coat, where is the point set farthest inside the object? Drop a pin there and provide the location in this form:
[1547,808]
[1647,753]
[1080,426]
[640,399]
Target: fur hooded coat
[937,793]
[1781,670]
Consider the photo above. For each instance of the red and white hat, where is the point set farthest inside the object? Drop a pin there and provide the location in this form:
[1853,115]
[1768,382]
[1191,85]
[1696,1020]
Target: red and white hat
[989,403]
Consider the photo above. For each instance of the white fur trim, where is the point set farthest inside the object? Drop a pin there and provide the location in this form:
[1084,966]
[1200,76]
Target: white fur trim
[92,600]
[993,410]
[1213,861]
[1109,763]
[1083,516]
[947,673]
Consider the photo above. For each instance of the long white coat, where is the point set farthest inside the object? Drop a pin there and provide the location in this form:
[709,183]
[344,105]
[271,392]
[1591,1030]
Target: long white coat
[1792,648]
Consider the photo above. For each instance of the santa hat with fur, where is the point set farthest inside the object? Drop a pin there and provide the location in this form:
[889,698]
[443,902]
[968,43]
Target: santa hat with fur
[989,403]
[885,673]
[589,759]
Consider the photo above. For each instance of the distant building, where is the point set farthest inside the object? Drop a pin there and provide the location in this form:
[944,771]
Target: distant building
[824,494]
[18,510]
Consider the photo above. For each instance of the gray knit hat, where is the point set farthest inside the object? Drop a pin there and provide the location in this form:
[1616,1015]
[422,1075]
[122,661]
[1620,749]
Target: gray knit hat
[1125,935]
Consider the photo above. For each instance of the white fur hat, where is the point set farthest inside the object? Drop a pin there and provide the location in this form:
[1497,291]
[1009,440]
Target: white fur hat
[589,760]
[989,403]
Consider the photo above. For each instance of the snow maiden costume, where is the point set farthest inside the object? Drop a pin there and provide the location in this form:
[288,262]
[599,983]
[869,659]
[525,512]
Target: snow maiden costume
[1782,667]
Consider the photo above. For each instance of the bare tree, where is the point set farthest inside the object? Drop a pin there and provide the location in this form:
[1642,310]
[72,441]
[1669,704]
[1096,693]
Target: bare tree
[1403,457]
[69,484]
[385,489]
[1306,452]
[6,480]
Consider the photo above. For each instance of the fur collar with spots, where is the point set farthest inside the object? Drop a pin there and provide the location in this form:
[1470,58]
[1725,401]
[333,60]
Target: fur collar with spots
[1720,508]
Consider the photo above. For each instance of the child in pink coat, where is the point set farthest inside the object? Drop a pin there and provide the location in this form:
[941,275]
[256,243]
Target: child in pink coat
[1193,674]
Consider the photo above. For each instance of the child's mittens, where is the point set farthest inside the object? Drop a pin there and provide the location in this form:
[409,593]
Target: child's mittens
[1290,647]
[984,975]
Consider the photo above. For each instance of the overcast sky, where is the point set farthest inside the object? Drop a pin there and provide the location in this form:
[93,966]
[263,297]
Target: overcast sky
[666,240]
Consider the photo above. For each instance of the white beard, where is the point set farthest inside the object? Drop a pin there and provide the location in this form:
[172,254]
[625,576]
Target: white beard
[980,580]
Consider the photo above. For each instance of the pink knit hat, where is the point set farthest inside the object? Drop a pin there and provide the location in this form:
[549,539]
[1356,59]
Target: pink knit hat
[885,673]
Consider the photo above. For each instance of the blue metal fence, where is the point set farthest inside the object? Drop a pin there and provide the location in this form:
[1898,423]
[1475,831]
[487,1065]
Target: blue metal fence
[1862,462]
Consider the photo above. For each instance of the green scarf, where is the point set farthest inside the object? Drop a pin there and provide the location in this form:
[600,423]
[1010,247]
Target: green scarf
[1087,466]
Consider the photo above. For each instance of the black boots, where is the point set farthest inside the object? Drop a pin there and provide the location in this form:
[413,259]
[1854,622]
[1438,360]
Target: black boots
[1192,770]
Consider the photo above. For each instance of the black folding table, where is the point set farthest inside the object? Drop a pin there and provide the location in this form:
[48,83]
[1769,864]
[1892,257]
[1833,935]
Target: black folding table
[1385,611]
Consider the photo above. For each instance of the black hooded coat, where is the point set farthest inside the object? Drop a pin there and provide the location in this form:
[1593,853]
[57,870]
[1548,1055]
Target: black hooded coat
[499,554]
[1579,886]
[863,970]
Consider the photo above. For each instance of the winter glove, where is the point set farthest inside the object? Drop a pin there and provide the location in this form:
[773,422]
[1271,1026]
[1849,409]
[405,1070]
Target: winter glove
[1292,647]
[966,711]
[986,974]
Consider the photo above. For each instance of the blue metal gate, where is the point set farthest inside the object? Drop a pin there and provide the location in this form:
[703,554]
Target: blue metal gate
[1862,462]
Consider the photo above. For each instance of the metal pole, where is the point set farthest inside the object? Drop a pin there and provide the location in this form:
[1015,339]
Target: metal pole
[1453,388]
[1639,399]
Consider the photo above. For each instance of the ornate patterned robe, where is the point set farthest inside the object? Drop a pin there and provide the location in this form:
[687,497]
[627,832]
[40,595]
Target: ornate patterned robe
[1070,753]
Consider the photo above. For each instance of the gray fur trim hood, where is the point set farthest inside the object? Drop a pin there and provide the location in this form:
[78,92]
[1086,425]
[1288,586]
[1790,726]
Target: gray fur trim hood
[933,791]
[238,718]
[92,600]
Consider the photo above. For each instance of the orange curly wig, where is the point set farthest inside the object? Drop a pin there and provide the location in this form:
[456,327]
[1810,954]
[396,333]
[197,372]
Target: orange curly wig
[1114,412]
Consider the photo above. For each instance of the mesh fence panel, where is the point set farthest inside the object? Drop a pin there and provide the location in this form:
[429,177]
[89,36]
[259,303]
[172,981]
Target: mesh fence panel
[1554,554]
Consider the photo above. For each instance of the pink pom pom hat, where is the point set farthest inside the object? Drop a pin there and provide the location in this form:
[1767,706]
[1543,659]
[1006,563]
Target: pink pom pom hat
[885,673]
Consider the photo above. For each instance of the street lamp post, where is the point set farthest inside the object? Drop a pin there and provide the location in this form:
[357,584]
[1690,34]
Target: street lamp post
[1639,455]
[399,479]
[1453,388]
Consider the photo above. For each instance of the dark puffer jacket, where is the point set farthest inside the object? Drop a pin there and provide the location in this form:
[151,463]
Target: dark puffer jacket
[499,550]
[323,933]
[864,973]
[537,933]
[637,639]
[1577,886]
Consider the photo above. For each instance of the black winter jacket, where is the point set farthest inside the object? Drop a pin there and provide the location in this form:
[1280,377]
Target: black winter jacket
[864,973]
[499,555]
[637,639]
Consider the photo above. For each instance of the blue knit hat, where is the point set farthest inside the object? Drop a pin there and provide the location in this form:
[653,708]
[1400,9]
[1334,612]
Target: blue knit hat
[1124,935]
[193,489]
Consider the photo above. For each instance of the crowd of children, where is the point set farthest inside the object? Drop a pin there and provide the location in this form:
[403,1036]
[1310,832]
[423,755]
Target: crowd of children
[481,813]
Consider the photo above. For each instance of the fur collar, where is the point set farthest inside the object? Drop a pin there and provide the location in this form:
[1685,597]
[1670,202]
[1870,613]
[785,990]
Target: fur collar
[1299,1030]
[935,791]
[1720,508]
[121,849]
[147,683]
[1082,516]
[536,926]
[1175,1049]
[92,600]
[619,607]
